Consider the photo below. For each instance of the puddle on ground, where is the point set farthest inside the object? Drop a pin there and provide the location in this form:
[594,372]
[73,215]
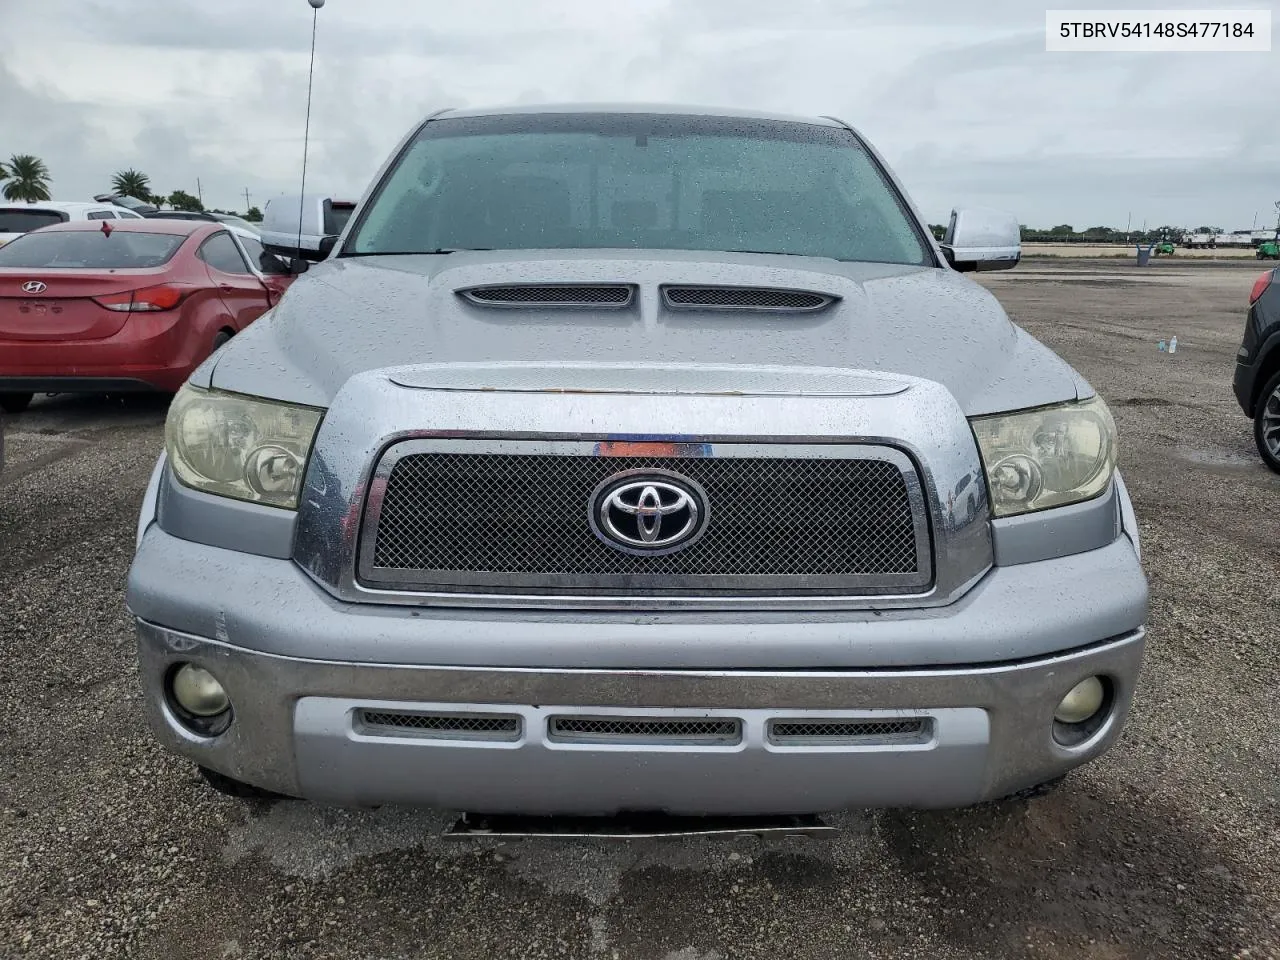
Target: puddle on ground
[1098,279]
[1216,457]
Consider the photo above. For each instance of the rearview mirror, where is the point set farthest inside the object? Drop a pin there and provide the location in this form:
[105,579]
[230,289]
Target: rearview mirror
[981,239]
[298,266]
[327,244]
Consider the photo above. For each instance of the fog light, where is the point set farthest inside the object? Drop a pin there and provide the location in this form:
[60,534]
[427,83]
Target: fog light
[1083,701]
[198,691]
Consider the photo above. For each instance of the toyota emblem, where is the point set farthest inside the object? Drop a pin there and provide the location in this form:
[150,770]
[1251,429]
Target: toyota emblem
[34,286]
[649,512]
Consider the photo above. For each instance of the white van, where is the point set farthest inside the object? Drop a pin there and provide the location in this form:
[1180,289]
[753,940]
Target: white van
[19,218]
[323,220]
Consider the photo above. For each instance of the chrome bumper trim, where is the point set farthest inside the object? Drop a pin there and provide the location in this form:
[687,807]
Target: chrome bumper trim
[277,743]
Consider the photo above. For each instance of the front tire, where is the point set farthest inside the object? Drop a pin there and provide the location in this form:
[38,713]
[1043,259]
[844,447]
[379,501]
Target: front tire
[1266,424]
[15,402]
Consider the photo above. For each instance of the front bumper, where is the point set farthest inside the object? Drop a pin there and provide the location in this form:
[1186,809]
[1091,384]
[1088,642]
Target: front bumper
[985,672]
[297,730]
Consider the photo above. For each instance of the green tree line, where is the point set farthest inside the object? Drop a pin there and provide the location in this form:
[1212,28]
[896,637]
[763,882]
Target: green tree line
[1066,233]
[26,179]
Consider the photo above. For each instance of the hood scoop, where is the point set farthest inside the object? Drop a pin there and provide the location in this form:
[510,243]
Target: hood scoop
[622,295]
[571,296]
[687,297]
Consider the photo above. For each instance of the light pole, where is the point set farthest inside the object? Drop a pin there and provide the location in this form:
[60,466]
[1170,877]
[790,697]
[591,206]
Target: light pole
[306,135]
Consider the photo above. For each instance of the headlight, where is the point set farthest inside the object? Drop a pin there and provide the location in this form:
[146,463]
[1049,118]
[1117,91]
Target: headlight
[1050,457]
[238,446]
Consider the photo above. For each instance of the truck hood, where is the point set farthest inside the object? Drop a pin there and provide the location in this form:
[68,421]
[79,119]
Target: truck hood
[352,315]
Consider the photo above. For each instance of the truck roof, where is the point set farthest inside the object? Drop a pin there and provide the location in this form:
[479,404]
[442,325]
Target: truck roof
[657,108]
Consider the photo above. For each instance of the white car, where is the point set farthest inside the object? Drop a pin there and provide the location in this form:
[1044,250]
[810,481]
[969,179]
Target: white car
[19,218]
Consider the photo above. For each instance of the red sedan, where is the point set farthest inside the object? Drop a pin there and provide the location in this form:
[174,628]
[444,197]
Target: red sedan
[137,305]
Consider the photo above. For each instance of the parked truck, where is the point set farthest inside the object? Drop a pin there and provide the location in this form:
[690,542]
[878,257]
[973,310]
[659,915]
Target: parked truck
[636,459]
[323,219]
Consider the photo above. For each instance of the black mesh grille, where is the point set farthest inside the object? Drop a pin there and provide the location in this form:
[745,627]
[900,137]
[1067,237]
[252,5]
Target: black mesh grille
[552,295]
[645,730]
[845,731]
[744,298]
[469,726]
[524,520]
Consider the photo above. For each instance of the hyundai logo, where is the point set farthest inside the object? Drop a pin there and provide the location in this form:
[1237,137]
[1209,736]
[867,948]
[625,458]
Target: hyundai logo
[34,286]
[649,512]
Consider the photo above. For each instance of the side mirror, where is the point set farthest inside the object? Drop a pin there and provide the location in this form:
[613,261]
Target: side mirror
[272,265]
[981,239]
[298,266]
[327,244]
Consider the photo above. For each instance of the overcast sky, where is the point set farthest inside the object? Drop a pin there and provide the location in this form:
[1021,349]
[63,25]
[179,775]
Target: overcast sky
[959,95]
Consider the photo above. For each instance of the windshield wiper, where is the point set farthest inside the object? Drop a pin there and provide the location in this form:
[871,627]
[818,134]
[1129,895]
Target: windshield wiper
[415,253]
[769,253]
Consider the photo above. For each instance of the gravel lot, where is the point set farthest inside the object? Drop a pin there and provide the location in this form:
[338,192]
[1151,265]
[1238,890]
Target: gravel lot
[1166,848]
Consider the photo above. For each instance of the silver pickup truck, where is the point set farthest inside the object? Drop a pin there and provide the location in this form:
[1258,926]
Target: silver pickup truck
[627,459]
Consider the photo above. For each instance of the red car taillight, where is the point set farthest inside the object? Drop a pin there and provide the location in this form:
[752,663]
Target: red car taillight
[161,297]
[1260,286]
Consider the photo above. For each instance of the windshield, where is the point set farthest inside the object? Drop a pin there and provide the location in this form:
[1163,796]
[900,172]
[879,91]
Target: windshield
[90,249]
[18,220]
[583,181]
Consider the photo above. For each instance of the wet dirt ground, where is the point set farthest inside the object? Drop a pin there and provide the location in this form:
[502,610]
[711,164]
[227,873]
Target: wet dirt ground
[1167,848]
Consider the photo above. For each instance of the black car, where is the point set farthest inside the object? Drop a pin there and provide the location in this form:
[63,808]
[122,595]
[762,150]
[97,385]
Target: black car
[1257,380]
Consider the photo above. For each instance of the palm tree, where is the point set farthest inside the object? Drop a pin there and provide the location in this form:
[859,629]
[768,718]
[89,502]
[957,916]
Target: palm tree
[132,183]
[28,179]
[181,200]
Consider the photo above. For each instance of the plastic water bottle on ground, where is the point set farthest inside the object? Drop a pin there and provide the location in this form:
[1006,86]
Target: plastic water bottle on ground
[1162,346]
[1173,345]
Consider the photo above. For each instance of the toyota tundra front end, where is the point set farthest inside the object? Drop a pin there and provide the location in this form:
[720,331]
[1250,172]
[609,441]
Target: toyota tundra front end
[640,459]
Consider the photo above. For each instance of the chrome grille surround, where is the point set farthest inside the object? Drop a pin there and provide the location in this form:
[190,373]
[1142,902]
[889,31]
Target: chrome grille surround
[700,297]
[517,522]
[380,409]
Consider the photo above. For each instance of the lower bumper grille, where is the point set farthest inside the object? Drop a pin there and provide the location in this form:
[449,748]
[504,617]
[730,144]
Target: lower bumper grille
[645,730]
[639,731]
[441,726]
[815,732]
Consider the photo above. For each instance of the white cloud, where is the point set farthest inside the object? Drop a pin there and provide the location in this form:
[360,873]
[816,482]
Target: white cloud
[959,94]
